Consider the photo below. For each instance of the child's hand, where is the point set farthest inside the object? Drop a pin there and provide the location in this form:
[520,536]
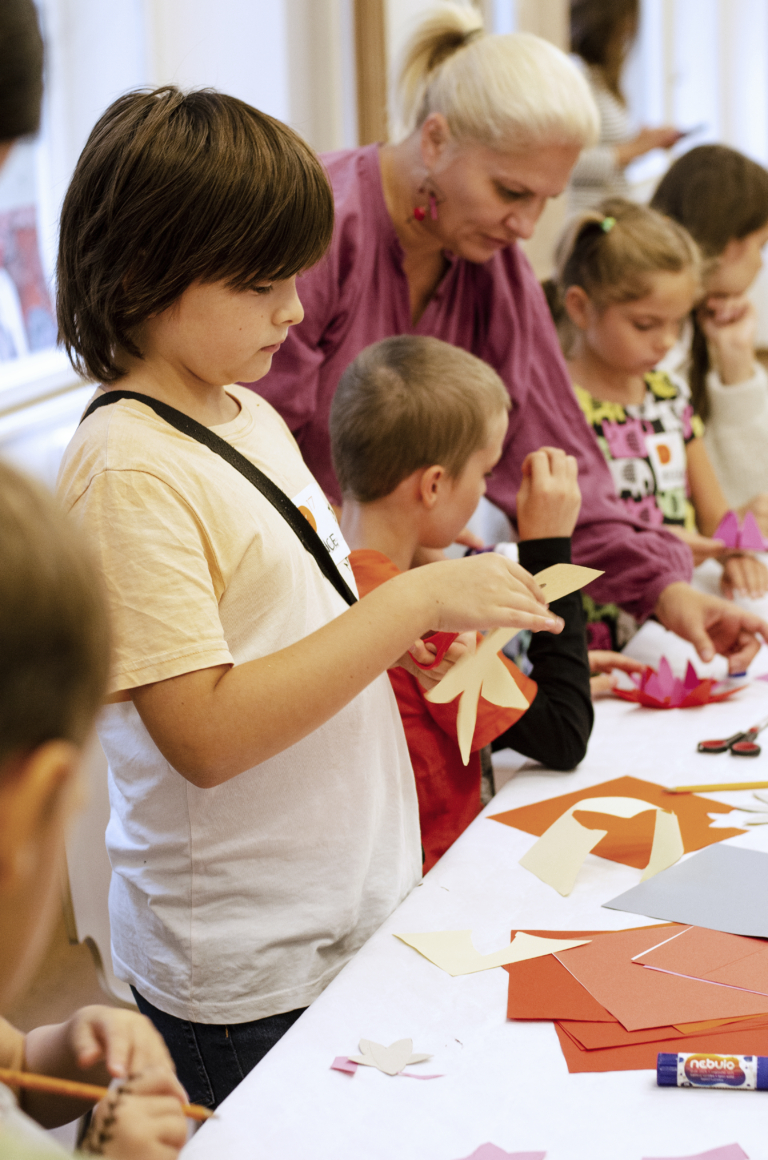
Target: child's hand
[549,499]
[702,547]
[424,652]
[481,592]
[126,1041]
[743,575]
[140,1120]
[602,662]
[730,325]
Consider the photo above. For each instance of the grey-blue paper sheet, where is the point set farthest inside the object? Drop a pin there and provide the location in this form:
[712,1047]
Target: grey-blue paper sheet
[722,887]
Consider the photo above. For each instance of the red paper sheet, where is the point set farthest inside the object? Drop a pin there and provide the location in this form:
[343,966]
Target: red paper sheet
[628,840]
[640,998]
[643,1055]
[698,953]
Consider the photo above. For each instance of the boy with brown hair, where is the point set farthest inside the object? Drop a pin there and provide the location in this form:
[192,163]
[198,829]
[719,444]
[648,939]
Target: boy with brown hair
[264,818]
[417,425]
[54,653]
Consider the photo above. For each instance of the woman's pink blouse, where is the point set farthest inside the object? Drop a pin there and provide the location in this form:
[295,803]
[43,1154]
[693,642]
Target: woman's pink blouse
[358,294]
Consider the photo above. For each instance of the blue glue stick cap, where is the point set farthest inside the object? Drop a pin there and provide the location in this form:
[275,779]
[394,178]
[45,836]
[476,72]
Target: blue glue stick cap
[762,1072]
[666,1069]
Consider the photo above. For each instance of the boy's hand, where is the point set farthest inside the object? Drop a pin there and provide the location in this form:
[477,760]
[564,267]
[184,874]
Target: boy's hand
[743,575]
[481,592]
[549,499]
[126,1041]
[141,1120]
[424,651]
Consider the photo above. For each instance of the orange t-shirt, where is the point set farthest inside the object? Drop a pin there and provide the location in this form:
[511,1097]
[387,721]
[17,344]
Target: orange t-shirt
[448,790]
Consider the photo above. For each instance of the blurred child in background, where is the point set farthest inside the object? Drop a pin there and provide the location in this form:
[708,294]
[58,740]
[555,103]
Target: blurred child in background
[54,654]
[721,197]
[626,280]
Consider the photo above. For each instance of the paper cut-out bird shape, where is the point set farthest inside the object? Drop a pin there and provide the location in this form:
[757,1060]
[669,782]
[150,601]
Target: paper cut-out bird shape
[391,1060]
[483,673]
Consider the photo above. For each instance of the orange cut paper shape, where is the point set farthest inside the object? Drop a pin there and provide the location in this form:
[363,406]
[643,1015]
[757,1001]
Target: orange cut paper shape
[628,840]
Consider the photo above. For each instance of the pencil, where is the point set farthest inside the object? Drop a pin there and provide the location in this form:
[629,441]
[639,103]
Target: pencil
[78,1091]
[718,786]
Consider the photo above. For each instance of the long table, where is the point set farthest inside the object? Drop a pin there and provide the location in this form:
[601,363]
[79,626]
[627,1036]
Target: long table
[502,1081]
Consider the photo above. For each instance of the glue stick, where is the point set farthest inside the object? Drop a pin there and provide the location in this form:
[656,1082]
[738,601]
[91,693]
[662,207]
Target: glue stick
[747,1072]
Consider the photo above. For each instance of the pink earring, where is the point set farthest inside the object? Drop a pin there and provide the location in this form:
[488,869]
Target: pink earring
[419,211]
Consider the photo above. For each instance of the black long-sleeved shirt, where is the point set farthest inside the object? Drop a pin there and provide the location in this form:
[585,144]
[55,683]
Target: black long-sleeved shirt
[556,728]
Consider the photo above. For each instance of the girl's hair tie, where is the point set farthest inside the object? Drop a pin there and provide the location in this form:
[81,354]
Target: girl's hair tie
[607,224]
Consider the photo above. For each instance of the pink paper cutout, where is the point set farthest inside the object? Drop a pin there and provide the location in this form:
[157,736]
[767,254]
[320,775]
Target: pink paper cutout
[413,1075]
[747,536]
[492,1152]
[663,690]
[625,440]
[727,1152]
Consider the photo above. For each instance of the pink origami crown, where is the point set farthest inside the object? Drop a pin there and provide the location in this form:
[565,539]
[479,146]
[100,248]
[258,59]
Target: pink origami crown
[663,690]
[747,536]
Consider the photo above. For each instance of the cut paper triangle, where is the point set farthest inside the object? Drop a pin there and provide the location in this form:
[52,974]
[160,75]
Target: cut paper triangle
[559,853]
[391,1060]
[747,537]
[483,673]
[453,952]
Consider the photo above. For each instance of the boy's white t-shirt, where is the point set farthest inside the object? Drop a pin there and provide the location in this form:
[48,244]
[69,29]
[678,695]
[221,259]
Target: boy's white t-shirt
[233,903]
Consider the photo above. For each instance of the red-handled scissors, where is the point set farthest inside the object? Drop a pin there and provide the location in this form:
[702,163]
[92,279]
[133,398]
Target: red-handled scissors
[740,744]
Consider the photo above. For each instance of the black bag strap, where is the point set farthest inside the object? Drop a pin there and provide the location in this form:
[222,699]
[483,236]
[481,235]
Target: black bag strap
[262,482]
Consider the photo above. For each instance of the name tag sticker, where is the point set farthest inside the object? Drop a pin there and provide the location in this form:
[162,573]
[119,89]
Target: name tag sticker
[315,508]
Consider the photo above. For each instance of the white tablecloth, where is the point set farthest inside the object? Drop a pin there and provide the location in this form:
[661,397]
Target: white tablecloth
[503,1081]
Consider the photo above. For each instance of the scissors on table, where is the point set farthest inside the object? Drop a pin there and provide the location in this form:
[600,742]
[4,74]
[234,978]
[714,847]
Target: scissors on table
[740,744]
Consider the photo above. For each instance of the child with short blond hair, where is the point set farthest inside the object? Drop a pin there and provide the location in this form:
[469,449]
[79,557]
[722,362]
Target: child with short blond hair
[416,426]
[264,818]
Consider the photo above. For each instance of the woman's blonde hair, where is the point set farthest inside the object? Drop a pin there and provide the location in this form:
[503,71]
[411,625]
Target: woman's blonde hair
[501,91]
[612,252]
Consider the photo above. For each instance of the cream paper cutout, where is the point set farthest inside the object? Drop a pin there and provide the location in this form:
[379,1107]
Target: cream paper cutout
[483,673]
[453,952]
[559,853]
[391,1060]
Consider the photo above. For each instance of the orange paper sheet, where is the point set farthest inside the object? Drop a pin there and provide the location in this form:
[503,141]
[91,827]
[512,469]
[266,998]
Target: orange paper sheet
[544,989]
[698,953]
[593,1036]
[640,998]
[628,840]
[643,1055]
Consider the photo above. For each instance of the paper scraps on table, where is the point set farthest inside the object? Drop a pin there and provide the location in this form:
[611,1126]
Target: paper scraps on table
[391,1060]
[343,1063]
[592,1039]
[628,840]
[640,998]
[727,1152]
[453,952]
[663,690]
[713,957]
[483,673]
[747,537]
[720,888]
[491,1152]
[559,853]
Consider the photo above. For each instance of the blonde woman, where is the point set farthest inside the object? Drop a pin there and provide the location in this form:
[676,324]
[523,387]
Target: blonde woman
[425,243]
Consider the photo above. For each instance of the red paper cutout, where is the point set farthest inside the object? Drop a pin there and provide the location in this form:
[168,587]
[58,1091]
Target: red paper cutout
[442,642]
[663,690]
